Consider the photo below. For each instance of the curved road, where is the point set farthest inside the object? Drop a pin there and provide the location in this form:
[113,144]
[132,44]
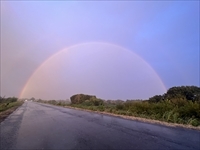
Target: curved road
[42,126]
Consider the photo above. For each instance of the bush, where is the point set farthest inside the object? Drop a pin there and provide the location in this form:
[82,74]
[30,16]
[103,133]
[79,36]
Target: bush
[101,108]
[80,98]
[87,103]
[194,122]
[119,106]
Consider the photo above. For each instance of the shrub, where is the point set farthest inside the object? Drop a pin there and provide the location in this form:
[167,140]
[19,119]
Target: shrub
[194,122]
[119,106]
[80,98]
[87,103]
[101,108]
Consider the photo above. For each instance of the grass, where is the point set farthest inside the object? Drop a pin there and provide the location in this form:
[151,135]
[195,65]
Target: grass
[7,108]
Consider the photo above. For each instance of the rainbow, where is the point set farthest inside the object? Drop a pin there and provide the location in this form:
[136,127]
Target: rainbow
[78,45]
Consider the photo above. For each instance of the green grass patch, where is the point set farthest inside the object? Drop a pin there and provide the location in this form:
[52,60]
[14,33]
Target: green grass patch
[6,106]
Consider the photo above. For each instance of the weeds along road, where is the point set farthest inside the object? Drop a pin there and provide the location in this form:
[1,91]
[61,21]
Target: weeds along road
[42,126]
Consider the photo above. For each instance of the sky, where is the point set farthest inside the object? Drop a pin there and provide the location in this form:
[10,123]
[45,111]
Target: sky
[111,49]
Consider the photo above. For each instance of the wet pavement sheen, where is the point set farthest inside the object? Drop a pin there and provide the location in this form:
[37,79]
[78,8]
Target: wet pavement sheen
[42,126]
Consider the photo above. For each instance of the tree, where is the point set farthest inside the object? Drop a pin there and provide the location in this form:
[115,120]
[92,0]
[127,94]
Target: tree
[185,92]
[156,98]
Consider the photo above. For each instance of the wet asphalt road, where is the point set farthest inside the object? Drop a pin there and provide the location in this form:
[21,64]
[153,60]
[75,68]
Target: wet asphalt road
[41,126]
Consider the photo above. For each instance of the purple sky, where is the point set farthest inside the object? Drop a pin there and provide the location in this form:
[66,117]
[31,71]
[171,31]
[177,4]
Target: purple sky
[162,38]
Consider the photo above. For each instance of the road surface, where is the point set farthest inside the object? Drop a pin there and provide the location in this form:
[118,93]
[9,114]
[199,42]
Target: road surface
[42,126]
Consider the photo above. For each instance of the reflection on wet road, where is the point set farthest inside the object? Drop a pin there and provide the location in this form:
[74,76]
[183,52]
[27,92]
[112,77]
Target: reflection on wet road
[42,126]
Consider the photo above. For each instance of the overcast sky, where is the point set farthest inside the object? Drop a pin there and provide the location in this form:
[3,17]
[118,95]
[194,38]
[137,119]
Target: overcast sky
[115,50]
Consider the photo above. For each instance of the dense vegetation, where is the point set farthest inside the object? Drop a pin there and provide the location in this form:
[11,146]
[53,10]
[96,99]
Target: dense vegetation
[6,103]
[179,105]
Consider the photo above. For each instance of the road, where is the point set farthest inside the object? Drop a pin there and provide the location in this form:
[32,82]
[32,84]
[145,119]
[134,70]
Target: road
[42,126]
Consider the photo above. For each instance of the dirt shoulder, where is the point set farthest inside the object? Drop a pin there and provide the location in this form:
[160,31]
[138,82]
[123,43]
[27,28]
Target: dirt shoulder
[140,119]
